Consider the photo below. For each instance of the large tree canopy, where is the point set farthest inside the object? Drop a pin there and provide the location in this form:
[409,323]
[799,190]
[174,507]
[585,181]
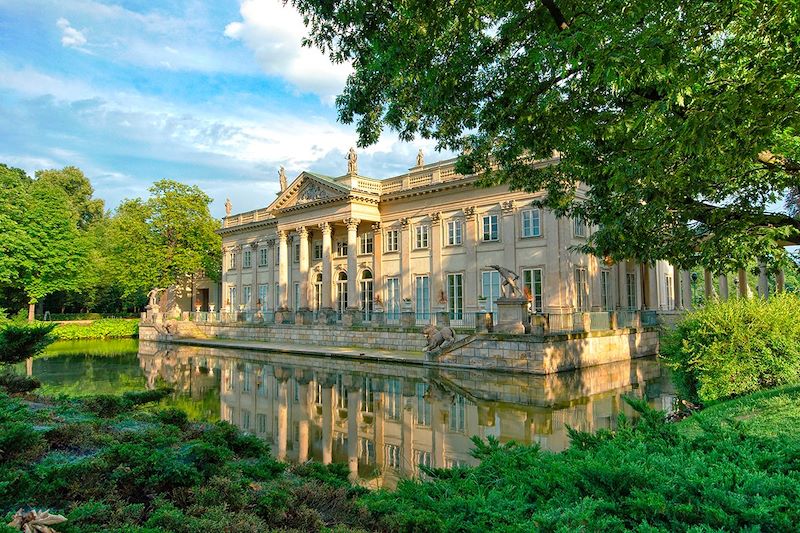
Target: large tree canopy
[682,118]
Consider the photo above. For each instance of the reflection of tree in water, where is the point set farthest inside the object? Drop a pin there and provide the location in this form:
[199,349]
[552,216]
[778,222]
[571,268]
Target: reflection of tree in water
[385,421]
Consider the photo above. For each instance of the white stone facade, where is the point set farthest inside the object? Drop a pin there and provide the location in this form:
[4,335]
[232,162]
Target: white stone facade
[424,240]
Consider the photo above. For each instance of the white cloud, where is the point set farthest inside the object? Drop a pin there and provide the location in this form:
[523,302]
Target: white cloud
[274,33]
[70,37]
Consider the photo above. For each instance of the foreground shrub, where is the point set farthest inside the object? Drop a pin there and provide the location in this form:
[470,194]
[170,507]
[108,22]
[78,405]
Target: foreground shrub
[735,347]
[21,341]
[16,384]
[107,328]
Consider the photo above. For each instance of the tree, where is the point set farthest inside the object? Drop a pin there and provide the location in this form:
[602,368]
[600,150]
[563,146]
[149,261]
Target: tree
[681,118]
[79,190]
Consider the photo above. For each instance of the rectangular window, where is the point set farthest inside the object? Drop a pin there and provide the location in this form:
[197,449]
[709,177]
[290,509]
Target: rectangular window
[246,257]
[232,297]
[490,289]
[297,295]
[455,296]
[581,290]
[630,279]
[261,423]
[454,233]
[393,455]
[491,229]
[424,412]
[423,458]
[421,233]
[296,254]
[245,420]
[458,414]
[317,250]
[423,293]
[263,255]
[341,248]
[579,227]
[605,290]
[392,240]
[531,223]
[231,260]
[247,378]
[246,295]
[263,288]
[261,384]
[366,244]
[394,399]
[393,298]
[532,286]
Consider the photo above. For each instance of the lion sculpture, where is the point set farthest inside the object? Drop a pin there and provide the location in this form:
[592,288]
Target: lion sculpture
[438,338]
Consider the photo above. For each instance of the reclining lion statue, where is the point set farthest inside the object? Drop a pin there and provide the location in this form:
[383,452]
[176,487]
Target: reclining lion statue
[438,338]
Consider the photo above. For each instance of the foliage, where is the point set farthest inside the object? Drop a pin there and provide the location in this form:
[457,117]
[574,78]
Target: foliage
[16,384]
[106,328]
[682,118]
[735,347]
[21,341]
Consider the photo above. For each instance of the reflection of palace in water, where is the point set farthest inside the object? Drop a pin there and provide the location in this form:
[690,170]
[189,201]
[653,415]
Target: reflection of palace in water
[384,419]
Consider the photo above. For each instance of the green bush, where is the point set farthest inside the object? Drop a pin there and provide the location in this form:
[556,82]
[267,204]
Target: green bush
[15,383]
[21,341]
[735,347]
[107,328]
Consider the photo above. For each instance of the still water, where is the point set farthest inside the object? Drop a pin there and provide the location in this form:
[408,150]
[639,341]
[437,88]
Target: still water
[382,419]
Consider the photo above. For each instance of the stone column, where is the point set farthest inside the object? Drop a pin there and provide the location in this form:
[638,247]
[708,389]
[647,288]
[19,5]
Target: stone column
[271,273]
[254,282]
[283,418]
[708,285]
[377,260]
[405,259]
[676,287]
[302,234]
[437,283]
[622,282]
[407,429]
[239,263]
[327,266]
[303,423]
[742,277]
[353,415]
[686,282]
[352,262]
[723,286]
[327,422]
[283,270]
[763,281]
[639,271]
[652,287]
[472,281]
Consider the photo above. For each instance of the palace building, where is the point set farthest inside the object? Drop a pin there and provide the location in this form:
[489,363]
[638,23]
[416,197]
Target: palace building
[348,247]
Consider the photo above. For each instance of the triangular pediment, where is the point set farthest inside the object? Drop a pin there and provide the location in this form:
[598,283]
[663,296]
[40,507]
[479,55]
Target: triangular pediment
[309,189]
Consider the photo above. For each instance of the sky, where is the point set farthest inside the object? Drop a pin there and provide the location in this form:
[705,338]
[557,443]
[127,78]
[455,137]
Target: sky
[216,94]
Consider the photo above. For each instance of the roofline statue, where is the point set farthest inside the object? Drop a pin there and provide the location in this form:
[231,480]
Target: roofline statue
[352,161]
[508,283]
[282,178]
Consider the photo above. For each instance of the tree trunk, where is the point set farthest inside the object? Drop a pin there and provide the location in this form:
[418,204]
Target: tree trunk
[31,311]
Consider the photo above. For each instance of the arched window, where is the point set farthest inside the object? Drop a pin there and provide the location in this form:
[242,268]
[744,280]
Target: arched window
[318,291]
[366,295]
[341,293]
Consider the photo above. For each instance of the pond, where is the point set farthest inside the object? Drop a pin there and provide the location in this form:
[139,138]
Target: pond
[382,419]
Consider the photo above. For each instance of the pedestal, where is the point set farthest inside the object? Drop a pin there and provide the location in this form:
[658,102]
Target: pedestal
[304,317]
[326,316]
[352,317]
[284,316]
[512,316]
[378,318]
[407,319]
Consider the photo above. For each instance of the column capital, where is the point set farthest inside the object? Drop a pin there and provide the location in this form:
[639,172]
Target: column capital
[282,235]
[270,242]
[404,222]
[254,245]
[469,212]
[507,207]
[376,226]
[302,231]
[326,228]
[436,217]
[352,223]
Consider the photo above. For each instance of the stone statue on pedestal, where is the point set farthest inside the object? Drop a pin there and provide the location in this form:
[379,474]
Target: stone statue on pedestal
[352,161]
[509,282]
[282,178]
[420,158]
[228,207]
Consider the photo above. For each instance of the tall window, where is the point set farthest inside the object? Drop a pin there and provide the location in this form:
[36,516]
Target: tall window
[532,286]
[296,296]
[424,412]
[605,290]
[668,291]
[231,260]
[232,297]
[630,279]
[296,252]
[366,243]
[455,296]
[423,293]
[366,295]
[490,289]
[317,250]
[318,292]
[341,293]
[491,229]
[263,255]
[246,258]
[247,378]
[458,414]
[579,227]
[263,288]
[245,420]
[421,233]
[531,223]
[454,233]
[246,295]
[392,240]
[581,290]
[393,298]
[341,248]
[394,399]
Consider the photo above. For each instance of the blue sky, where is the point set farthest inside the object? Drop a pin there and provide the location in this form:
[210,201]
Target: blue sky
[218,94]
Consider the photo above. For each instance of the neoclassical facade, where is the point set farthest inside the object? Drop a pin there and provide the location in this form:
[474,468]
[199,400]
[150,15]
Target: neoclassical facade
[425,241]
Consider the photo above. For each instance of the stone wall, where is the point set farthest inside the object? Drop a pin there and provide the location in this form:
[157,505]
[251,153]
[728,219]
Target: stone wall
[553,353]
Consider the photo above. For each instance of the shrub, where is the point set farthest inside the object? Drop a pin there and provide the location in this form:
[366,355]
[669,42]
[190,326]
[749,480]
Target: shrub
[17,438]
[14,383]
[21,341]
[735,347]
[107,328]
[108,405]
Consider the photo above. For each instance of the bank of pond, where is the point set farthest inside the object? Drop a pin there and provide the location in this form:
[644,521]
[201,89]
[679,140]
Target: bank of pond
[581,451]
